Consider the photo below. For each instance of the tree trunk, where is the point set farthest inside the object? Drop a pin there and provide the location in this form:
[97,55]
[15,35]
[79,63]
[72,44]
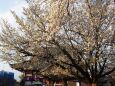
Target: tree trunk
[65,83]
[91,84]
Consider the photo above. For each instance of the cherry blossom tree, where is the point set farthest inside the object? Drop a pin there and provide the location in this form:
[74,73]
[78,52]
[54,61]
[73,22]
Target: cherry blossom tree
[74,34]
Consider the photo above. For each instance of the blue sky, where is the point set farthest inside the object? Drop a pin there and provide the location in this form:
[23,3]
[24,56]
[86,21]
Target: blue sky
[5,7]
[6,4]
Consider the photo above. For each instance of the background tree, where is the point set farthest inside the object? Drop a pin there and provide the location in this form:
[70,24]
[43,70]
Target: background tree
[71,33]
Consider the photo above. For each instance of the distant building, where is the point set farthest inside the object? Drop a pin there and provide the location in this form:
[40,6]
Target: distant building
[6,78]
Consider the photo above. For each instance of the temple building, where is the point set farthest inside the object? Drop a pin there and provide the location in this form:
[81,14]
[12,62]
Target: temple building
[48,74]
